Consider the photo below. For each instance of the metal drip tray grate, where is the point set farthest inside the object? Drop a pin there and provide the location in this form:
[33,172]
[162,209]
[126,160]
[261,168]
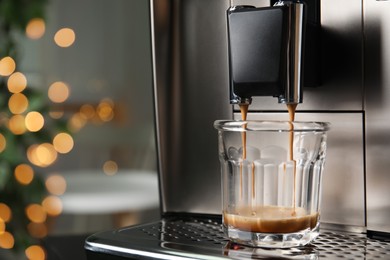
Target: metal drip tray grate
[204,239]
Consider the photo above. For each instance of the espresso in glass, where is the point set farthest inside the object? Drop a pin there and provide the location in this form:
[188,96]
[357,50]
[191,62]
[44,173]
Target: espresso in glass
[271,180]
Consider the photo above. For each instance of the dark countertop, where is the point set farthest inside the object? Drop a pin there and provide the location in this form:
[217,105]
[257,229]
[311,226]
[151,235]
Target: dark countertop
[65,247]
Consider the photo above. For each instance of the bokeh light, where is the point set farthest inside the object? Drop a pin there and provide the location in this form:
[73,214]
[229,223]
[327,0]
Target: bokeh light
[58,92]
[76,122]
[34,121]
[38,230]
[18,103]
[52,205]
[56,184]
[17,82]
[7,240]
[5,212]
[32,155]
[2,226]
[46,154]
[105,110]
[36,213]
[63,143]
[110,168]
[7,66]
[64,37]
[42,155]
[35,28]
[24,174]
[3,143]
[87,111]
[56,113]
[17,125]
[35,252]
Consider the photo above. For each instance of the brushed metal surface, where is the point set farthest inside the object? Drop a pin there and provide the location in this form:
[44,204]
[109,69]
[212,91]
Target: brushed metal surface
[377,68]
[191,92]
[343,178]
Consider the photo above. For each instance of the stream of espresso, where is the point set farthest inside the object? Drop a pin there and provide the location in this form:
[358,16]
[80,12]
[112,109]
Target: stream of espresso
[291,111]
[244,113]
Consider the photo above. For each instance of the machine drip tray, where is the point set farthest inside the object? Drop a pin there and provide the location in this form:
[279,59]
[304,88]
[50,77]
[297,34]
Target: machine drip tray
[202,238]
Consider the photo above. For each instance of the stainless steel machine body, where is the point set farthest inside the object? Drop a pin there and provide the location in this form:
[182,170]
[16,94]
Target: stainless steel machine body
[353,94]
[376,106]
[191,91]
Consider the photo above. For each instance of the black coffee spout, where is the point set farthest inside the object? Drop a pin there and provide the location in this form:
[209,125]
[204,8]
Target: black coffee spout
[265,52]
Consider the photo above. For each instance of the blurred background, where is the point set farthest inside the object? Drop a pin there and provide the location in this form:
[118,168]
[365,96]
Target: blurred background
[88,79]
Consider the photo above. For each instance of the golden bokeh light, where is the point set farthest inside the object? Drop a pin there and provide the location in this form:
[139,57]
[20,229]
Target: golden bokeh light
[32,154]
[34,121]
[7,240]
[63,143]
[35,252]
[17,125]
[35,28]
[17,82]
[87,111]
[76,122]
[38,230]
[105,110]
[42,155]
[18,103]
[56,184]
[7,66]
[58,92]
[110,168]
[52,205]
[64,37]
[2,226]
[3,143]
[46,154]
[5,212]
[24,174]
[56,113]
[36,213]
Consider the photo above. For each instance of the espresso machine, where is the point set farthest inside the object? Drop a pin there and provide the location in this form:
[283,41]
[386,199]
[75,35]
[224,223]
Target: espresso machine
[331,52]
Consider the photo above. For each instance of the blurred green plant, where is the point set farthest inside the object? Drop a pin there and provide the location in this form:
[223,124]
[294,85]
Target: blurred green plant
[18,229]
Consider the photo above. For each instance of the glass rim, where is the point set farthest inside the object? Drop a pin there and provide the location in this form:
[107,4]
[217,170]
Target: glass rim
[271,126]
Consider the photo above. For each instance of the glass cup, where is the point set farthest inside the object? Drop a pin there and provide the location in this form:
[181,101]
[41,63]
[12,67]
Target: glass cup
[271,181]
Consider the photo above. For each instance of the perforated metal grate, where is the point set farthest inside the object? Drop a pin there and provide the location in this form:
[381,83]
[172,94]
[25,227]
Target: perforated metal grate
[202,232]
[351,246]
[208,234]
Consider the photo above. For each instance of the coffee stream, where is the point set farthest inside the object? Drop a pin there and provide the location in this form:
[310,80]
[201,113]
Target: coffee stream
[272,219]
[244,113]
[291,111]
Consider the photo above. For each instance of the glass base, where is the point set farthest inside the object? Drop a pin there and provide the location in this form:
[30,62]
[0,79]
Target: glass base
[272,240]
